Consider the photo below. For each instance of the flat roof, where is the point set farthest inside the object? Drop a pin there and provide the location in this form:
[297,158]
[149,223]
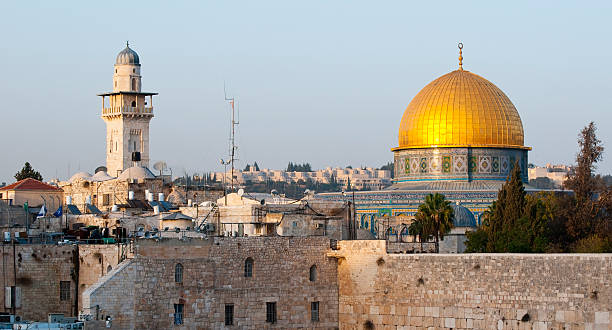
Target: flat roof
[129,93]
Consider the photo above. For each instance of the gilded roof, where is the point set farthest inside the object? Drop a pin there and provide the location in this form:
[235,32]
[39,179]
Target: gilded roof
[460,109]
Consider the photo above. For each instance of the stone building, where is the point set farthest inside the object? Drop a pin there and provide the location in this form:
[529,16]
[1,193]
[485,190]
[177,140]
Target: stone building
[104,191]
[50,278]
[34,192]
[315,283]
[219,283]
[127,115]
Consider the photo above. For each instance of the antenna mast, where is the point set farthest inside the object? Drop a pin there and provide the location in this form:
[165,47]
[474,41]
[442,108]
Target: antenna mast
[234,123]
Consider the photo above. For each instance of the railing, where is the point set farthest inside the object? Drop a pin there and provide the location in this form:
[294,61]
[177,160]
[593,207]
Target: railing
[127,110]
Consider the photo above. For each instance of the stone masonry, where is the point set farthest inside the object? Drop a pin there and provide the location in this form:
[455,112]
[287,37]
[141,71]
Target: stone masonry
[359,286]
[213,276]
[378,290]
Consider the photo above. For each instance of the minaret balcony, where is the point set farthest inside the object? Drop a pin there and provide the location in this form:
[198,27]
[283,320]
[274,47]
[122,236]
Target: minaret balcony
[130,111]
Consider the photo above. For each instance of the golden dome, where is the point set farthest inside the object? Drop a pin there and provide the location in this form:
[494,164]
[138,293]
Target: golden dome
[461,109]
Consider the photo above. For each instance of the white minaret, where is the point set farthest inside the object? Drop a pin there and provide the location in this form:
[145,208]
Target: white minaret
[127,115]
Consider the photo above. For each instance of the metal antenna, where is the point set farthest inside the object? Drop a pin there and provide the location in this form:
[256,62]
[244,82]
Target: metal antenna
[233,124]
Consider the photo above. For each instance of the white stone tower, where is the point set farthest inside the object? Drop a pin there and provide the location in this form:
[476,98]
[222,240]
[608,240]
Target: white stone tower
[127,115]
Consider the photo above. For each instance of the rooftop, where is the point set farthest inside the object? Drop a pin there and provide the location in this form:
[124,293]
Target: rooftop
[30,184]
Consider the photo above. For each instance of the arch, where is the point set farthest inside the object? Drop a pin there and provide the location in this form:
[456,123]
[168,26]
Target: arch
[178,273]
[108,269]
[248,267]
[312,276]
[133,104]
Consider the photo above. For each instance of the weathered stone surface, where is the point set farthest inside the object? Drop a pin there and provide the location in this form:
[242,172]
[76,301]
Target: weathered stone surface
[472,291]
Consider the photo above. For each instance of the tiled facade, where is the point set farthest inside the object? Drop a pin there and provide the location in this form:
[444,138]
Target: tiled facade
[463,164]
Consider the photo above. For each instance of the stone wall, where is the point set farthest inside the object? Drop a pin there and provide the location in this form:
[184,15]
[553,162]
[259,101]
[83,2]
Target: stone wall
[39,270]
[96,261]
[213,276]
[480,291]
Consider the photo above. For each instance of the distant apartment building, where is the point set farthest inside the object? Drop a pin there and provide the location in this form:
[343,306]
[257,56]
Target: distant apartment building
[556,173]
[367,178]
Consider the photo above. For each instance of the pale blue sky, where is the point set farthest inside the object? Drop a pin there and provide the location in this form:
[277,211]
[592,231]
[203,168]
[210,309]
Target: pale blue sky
[319,81]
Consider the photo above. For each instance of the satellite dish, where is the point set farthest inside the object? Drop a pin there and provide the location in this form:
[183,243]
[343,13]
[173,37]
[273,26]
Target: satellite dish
[240,192]
[100,169]
[160,166]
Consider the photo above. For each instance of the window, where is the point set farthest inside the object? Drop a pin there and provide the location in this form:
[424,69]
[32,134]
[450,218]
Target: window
[314,311]
[178,273]
[64,290]
[271,312]
[106,199]
[248,267]
[133,84]
[313,273]
[229,314]
[133,70]
[178,313]
[133,104]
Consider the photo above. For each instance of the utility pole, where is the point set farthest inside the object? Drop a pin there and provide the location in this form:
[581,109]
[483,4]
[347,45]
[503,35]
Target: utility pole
[233,147]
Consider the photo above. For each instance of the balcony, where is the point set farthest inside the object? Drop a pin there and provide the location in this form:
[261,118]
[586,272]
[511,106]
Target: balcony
[134,111]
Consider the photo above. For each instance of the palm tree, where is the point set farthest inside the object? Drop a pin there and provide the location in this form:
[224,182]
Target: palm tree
[437,214]
[419,228]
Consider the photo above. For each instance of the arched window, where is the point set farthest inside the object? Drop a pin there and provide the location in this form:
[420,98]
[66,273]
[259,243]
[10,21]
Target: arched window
[313,273]
[133,104]
[248,267]
[133,84]
[178,273]
[108,269]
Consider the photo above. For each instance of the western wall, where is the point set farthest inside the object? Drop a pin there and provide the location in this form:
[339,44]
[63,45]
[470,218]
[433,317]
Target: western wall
[378,290]
[359,286]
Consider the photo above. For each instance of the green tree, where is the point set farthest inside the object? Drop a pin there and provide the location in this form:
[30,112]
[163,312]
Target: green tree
[437,216]
[420,228]
[28,172]
[509,208]
[583,211]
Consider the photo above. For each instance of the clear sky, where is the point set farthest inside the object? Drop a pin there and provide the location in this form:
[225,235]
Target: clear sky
[320,81]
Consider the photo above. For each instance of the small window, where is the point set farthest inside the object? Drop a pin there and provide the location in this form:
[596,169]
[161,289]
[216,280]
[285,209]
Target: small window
[313,273]
[271,312]
[229,314]
[314,311]
[133,70]
[115,70]
[178,314]
[115,84]
[106,199]
[178,273]
[133,84]
[248,267]
[64,290]
[133,104]
[108,269]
